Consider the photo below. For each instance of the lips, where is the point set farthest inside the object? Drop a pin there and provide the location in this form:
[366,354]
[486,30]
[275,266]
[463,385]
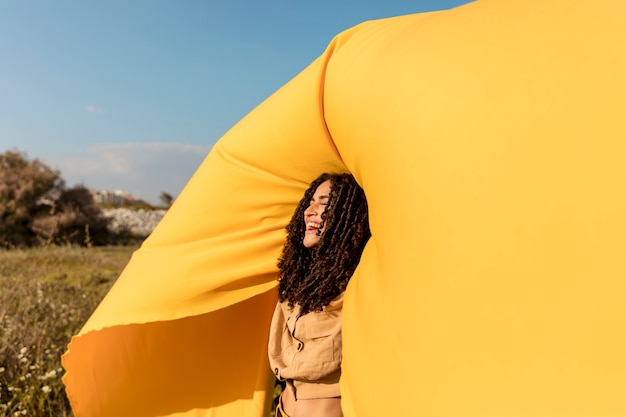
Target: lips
[312,226]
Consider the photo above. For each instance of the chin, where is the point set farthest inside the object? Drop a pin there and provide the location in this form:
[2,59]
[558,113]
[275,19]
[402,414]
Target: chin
[309,244]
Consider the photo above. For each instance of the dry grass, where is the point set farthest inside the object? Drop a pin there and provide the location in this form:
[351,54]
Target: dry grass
[46,295]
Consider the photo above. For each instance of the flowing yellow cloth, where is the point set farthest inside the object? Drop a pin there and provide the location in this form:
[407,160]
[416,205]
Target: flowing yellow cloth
[490,141]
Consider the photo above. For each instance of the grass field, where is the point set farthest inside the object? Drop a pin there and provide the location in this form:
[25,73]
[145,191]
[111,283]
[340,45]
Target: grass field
[46,295]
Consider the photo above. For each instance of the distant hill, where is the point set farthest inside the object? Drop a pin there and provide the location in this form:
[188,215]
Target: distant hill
[117,198]
[126,212]
[139,222]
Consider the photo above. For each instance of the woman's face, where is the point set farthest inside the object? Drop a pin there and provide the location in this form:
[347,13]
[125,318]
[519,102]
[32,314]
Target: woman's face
[313,215]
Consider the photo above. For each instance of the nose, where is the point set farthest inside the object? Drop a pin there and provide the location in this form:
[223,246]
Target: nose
[311,210]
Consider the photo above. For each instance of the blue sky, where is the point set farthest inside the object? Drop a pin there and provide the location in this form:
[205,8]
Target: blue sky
[132,95]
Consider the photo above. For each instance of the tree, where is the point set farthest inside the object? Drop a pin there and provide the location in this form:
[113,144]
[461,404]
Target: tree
[166,199]
[25,189]
[73,218]
[36,208]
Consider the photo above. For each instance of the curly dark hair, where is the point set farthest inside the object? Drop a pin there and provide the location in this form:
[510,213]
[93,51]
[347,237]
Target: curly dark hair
[313,277]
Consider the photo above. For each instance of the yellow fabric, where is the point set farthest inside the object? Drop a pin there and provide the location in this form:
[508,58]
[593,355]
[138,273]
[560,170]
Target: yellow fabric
[490,142]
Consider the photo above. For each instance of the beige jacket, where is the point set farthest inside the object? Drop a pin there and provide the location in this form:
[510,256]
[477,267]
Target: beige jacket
[305,349]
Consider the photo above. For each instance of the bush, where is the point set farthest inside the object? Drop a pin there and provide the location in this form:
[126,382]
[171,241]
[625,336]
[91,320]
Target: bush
[74,218]
[24,186]
[37,209]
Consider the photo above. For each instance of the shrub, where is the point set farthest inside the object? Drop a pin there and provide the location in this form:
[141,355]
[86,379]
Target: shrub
[24,185]
[37,209]
[73,218]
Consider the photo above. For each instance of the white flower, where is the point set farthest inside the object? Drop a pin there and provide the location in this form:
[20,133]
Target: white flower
[49,374]
[46,389]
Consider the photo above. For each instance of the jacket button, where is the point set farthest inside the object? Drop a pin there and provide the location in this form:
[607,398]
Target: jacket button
[300,346]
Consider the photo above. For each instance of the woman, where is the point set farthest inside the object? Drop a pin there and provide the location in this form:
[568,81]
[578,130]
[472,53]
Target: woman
[325,239]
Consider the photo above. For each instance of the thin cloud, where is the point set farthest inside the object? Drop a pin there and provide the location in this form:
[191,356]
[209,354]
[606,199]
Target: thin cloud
[94,109]
[142,169]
